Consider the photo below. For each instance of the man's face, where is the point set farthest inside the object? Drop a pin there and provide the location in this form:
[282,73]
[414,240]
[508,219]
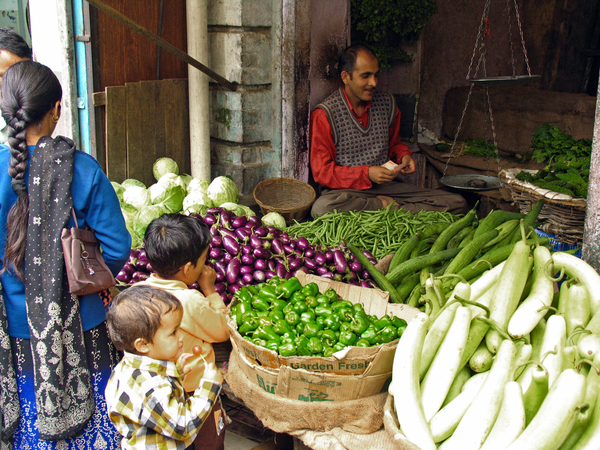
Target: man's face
[7,59]
[361,83]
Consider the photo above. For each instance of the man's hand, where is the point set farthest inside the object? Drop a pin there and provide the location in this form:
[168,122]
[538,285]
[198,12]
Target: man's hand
[407,166]
[206,280]
[379,175]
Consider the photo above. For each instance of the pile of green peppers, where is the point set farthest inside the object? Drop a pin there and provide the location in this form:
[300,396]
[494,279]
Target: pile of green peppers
[291,319]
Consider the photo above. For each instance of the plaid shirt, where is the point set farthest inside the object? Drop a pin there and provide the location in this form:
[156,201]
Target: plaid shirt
[149,407]
[322,152]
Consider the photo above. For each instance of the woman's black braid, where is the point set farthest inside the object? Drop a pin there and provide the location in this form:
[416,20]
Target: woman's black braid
[18,150]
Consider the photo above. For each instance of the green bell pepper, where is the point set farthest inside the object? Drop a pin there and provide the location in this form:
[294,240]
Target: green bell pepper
[388,334]
[274,280]
[341,304]
[314,345]
[267,293]
[239,310]
[276,315]
[264,320]
[359,324]
[308,316]
[331,295]
[362,343]
[348,338]
[328,338]
[281,327]
[298,296]
[311,329]
[323,301]
[267,333]
[323,311]
[320,320]
[289,307]
[260,304]
[248,325]
[332,322]
[278,304]
[243,294]
[300,307]
[311,301]
[345,314]
[370,334]
[400,324]
[338,347]
[272,345]
[288,288]
[292,318]
[301,342]
[328,351]
[288,349]
[259,342]
[383,322]
[311,289]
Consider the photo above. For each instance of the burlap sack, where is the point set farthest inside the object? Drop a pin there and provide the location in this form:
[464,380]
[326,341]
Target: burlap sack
[392,427]
[384,263]
[282,415]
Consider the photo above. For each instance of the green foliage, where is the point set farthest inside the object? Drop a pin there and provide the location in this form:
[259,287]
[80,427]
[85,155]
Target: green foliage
[480,147]
[568,161]
[384,25]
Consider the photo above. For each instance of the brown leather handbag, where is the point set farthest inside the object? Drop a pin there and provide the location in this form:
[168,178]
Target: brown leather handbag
[86,270]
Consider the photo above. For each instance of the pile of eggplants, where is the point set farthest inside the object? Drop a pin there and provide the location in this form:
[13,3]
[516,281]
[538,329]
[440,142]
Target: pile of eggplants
[244,252]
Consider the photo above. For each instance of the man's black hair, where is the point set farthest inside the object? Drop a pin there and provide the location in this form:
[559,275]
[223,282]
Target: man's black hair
[13,42]
[173,240]
[348,57]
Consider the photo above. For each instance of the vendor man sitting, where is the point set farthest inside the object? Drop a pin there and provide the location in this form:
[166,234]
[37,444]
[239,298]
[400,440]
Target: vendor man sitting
[354,133]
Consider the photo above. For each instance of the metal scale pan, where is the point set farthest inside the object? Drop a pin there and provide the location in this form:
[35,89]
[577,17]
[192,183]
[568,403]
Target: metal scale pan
[472,182]
[503,81]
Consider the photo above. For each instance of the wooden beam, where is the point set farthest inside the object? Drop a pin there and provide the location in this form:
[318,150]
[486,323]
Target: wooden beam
[162,43]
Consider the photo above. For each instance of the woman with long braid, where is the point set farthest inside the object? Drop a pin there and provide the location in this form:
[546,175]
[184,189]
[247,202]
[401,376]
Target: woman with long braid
[55,354]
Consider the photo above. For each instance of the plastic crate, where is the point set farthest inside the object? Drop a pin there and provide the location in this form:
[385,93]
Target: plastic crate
[558,246]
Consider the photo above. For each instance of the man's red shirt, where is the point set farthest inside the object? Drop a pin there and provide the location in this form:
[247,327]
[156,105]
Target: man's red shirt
[323,152]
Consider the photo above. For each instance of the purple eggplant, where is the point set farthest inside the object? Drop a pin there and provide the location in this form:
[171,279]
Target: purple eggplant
[355,266]
[269,274]
[285,238]
[321,270]
[246,249]
[247,259]
[259,276]
[309,252]
[248,278]
[239,221]
[149,268]
[220,266]
[128,269]
[328,255]
[327,275]
[225,232]
[123,276]
[262,253]
[216,241]
[214,210]
[214,230]
[288,249]
[340,261]
[233,288]
[138,276]
[310,264]
[254,221]
[246,269]
[233,270]
[215,253]
[260,264]
[301,269]
[261,232]
[227,257]
[220,277]
[277,247]
[220,287]
[255,241]
[302,243]
[319,258]
[242,234]
[231,245]
[295,263]
[140,264]
[271,265]
[210,220]
[281,271]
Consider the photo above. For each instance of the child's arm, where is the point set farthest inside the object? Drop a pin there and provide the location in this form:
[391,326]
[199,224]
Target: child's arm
[206,280]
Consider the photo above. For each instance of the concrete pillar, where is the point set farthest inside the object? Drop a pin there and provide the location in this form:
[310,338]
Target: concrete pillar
[591,230]
[197,47]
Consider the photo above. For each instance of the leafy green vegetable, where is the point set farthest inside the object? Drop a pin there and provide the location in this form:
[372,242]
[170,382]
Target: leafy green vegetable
[145,216]
[136,196]
[132,182]
[163,166]
[222,190]
[480,147]
[275,219]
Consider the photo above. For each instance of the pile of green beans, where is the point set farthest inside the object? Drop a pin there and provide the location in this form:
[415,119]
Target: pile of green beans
[381,232]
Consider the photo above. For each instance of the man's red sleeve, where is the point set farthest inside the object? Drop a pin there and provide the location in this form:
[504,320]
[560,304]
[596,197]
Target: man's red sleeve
[397,148]
[322,158]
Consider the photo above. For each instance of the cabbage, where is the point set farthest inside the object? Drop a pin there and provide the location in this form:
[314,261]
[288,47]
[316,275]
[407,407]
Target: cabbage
[170,179]
[171,198]
[247,211]
[163,166]
[136,196]
[132,182]
[198,184]
[222,190]
[274,219]
[129,214]
[155,190]
[186,180]
[146,215]
[118,190]
[196,202]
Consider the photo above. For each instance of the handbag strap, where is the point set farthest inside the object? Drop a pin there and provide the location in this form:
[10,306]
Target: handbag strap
[74,217]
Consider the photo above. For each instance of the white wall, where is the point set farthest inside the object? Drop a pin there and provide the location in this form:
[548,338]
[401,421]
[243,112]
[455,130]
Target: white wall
[52,44]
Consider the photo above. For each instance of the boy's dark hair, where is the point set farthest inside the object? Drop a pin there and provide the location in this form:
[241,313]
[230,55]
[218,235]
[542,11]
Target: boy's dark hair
[347,59]
[173,240]
[13,42]
[136,313]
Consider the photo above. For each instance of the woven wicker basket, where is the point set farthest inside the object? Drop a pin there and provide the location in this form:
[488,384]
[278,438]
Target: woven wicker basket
[562,215]
[289,197]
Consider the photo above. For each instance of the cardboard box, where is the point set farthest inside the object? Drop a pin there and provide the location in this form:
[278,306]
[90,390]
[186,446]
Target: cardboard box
[354,372]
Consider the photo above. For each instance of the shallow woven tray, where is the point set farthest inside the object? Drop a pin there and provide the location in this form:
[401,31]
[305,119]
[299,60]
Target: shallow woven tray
[562,215]
[289,197]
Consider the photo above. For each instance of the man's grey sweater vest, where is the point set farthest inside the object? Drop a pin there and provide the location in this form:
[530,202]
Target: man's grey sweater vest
[357,145]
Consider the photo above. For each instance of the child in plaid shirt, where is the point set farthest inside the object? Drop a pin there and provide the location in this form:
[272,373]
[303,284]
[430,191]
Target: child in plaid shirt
[145,397]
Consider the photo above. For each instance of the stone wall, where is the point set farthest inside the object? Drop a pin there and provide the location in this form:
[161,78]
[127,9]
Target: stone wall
[245,125]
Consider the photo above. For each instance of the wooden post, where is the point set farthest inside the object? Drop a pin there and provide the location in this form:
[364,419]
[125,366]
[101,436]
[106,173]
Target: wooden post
[591,230]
